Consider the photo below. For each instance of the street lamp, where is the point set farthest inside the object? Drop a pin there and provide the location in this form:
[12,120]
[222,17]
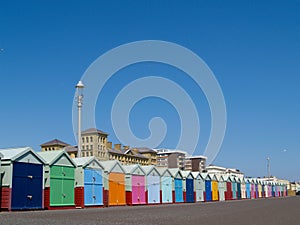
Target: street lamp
[79,98]
[268,167]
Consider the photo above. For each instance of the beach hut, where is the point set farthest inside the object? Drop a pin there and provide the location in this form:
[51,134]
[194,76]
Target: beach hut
[259,188]
[243,188]
[276,189]
[256,187]
[188,186]
[152,184]
[270,189]
[234,188]
[88,182]
[59,180]
[199,185]
[248,188]
[208,188]
[114,183]
[177,186]
[266,192]
[21,179]
[253,188]
[166,195]
[263,185]
[214,187]
[135,184]
[284,190]
[228,193]
[221,187]
[239,188]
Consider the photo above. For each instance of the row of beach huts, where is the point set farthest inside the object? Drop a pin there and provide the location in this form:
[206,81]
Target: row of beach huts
[52,180]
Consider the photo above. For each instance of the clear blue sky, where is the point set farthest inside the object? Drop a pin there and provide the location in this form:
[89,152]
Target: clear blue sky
[253,48]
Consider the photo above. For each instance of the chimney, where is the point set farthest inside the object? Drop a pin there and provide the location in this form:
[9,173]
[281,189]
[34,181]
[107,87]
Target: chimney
[118,147]
[126,147]
[109,144]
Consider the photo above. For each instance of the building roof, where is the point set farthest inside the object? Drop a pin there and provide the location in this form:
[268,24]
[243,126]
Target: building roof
[109,165]
[129,169]
[93,131]
[82,161]
[143,150]
[175,171]
[149,169]
[126,151]
[52,156]
[55,142]
[71,149]
[196,157]
[14,153]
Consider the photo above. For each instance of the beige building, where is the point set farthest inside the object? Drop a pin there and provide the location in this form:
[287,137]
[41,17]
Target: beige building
[93,143]
[128,156]
[53,145]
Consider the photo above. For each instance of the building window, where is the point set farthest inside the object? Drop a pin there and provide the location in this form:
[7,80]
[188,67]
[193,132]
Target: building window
[91,139]
[91,153]
[83,140]
[91,147]
[82,147]
[87,139]
[87,153]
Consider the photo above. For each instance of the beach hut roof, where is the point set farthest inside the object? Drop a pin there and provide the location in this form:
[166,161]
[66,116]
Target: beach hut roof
[149,169]
[57,156]
[164,171]
[13,154]
[134,169]
[86,161]
[110,165]
[176,172]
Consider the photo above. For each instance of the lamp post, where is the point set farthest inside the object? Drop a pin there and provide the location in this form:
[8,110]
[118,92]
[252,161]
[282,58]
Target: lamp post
[268,167]
[79,98]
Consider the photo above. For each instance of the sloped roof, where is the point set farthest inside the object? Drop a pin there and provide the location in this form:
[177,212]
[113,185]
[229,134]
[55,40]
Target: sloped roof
[131,168]
[149,168]
[163,170]
[143,149]
[55,142]
[125,153]
[93,131]
[110,164]
[175,171]
[186,173]
[14,153]
[71,148]
[84,161]
[51,156]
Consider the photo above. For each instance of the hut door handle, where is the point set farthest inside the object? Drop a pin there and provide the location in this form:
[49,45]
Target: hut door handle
[94,197]
[64,195]
[30,177]
[29,197]
[64,173]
